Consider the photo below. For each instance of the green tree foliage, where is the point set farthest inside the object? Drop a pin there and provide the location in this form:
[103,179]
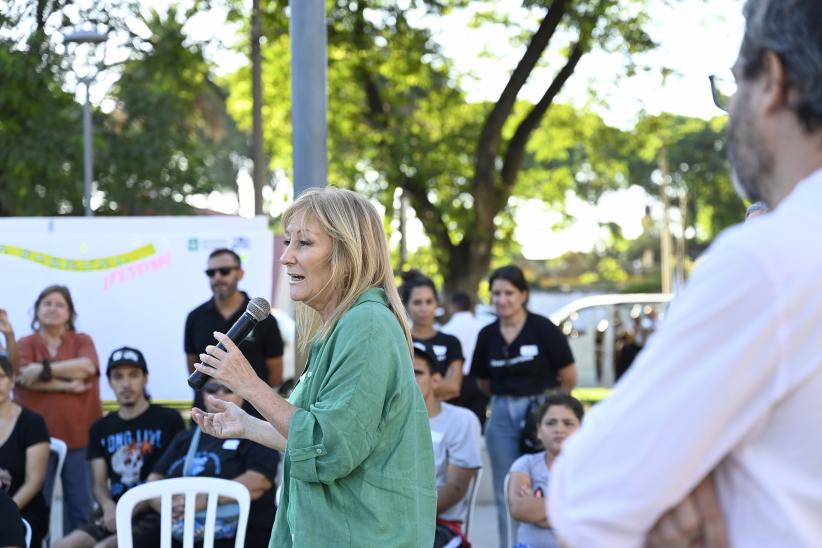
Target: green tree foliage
[398,117]
[697,164]
[40,151]
[169,135]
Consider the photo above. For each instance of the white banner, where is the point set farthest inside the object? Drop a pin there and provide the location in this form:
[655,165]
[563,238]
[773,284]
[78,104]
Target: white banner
[133,279]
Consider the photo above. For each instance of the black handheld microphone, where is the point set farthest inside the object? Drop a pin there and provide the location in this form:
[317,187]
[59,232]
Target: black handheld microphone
[256,311]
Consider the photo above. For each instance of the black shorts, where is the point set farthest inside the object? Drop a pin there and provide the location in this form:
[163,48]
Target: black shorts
[143,525]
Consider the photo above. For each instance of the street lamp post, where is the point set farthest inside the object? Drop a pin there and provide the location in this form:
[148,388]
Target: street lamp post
[86,37]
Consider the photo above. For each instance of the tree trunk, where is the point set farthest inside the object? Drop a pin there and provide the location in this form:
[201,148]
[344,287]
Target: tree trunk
[257,154]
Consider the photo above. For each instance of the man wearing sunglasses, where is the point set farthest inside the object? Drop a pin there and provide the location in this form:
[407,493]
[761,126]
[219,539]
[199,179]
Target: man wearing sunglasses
[729,386]
[263,348]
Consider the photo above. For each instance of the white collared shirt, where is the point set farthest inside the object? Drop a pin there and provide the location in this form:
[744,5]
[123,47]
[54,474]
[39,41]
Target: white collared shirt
[465,327]
[731,382]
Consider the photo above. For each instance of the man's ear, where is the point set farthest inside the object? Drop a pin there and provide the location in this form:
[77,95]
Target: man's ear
[775,88]
[241,273]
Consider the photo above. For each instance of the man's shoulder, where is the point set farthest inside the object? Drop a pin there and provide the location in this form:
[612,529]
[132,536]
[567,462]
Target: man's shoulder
[105,421]
[202,308]
[164,413]
[458,415]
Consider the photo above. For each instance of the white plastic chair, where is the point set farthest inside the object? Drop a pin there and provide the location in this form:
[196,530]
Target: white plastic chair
[473,489]
[190,487]
[59,448]
[512,524]
[28,532]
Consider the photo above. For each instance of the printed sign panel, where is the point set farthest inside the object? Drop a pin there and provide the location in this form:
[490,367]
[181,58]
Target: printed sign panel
[133,279]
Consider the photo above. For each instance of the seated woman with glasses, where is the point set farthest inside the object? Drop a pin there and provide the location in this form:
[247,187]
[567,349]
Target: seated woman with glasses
[195,453]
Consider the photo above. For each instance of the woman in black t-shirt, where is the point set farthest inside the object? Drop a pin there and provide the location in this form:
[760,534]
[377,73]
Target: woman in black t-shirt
[517,358]
[419,295]
[24,453]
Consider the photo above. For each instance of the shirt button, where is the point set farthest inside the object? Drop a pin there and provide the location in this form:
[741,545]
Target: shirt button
[319,451]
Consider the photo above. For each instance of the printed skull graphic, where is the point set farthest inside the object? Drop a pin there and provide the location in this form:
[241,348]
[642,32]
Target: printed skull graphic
[128,461]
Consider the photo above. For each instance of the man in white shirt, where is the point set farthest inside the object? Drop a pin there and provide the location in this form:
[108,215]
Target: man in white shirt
[730,384]
[465,326]
[455,433]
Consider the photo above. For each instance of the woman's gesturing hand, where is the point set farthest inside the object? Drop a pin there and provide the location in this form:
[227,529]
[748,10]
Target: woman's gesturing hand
[227,367]
[228,422]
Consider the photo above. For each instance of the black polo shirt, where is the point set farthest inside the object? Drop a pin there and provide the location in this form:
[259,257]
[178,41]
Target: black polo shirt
[444,348]
[527,366]
[264,342]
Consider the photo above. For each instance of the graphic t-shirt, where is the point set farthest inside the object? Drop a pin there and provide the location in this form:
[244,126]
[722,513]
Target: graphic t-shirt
[534,467]
[227,459]
[445,348]
[30,429]
[132,447]
[526,366]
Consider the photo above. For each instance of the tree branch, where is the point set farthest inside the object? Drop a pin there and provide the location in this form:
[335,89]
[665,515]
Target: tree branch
[429,214]
[492,130]
[376,112]
[516,146]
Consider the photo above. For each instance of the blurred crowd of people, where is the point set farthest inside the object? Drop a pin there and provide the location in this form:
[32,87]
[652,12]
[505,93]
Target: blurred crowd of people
[49,388]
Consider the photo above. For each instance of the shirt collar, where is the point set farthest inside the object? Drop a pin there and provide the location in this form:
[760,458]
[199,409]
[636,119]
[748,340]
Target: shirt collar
[373,294]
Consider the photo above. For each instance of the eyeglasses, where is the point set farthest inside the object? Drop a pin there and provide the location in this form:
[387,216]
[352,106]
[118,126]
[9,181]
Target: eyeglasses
[223,270]
[214,388]
[723,88]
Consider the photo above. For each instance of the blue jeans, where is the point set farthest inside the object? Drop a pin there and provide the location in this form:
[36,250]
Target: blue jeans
[502,434]
[78,501]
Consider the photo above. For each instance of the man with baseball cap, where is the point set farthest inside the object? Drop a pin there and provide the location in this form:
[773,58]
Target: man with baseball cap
[123,447]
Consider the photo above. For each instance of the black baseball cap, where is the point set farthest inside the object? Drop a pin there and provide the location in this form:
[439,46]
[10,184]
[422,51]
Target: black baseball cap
[125,355]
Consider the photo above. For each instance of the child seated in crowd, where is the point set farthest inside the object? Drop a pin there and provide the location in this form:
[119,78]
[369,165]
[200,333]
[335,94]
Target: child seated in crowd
[558,417]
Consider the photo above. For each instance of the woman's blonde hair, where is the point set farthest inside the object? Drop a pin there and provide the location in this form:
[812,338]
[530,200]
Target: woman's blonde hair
[359,256]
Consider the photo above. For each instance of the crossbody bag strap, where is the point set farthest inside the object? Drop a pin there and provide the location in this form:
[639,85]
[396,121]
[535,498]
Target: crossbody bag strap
[192,450]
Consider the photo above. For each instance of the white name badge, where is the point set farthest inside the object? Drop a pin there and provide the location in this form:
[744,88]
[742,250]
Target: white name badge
[529,350]
[231,445]
[440,350]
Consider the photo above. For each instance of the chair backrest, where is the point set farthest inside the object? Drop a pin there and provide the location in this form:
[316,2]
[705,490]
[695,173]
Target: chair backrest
[512,524]
[473,489]
[28,532]
[190,487]
[59,448]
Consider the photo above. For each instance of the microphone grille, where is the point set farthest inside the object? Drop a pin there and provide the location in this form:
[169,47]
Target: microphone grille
[258,308]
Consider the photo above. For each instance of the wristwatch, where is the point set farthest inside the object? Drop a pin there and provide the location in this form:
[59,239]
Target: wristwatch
[45,374]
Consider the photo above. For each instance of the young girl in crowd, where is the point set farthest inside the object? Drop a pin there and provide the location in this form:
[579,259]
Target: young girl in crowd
[419,295]
[559,417]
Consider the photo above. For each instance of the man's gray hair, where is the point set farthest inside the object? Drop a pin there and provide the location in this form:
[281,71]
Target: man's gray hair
[793,30]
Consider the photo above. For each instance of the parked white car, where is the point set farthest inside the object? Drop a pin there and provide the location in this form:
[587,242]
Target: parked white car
[606,331]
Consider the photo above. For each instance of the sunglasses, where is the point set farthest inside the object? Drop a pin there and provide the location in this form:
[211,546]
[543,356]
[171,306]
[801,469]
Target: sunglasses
[223,270]
[214,388]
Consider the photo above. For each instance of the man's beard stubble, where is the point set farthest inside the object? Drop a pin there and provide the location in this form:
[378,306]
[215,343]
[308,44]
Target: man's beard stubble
[751,162]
